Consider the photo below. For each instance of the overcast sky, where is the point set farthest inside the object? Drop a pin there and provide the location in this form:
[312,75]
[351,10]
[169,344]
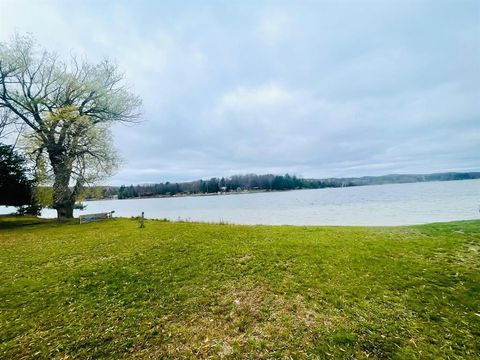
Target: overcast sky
[314,88]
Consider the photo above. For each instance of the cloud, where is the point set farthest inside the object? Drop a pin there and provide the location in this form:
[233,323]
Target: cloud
[248,99]
[275,26]
[314,88]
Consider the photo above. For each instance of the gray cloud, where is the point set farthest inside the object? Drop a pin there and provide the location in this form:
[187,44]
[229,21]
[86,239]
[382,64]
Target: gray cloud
[313,88]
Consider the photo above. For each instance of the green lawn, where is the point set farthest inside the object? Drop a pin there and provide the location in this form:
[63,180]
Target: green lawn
[171,290]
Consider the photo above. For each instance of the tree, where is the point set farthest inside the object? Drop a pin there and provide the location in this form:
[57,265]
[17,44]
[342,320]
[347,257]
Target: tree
[122,192]
[5,121]
[69,108]
[16,188]
[212,185]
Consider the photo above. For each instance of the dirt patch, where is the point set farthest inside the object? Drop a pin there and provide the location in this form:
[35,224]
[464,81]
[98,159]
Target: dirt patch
[244,321]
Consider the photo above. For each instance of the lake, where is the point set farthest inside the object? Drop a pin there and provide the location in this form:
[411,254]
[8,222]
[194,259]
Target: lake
[393,204]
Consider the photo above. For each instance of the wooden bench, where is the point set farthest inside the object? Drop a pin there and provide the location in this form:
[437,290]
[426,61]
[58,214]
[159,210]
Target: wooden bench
[95,217]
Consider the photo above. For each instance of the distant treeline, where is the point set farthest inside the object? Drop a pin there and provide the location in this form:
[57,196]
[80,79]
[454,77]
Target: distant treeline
[236,183]
[408,178]
[253,182]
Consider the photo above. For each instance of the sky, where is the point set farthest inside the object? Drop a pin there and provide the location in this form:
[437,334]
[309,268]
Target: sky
[313,88]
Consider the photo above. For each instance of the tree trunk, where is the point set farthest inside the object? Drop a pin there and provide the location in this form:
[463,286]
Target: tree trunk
[65,211]
[63,199]
[63,196]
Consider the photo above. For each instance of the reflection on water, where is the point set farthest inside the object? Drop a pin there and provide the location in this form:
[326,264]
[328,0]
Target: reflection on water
[396,204]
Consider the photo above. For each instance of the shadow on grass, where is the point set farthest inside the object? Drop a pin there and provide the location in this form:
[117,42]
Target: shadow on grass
[18,221]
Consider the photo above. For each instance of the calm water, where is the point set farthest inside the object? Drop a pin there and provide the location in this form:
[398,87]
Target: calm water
[396,204]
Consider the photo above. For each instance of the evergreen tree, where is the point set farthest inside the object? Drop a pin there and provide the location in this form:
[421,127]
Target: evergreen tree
[16,188]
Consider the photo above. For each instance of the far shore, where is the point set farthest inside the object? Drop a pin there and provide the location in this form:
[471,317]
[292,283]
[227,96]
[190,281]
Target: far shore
[243,192]
[199,194]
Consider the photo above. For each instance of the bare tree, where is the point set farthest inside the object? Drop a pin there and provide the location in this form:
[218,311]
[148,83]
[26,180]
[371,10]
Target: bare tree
[5,124]
[4,121]
[10,130]
[69,108]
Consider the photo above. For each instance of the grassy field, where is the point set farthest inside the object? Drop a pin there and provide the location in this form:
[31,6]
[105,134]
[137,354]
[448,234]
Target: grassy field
[171,290]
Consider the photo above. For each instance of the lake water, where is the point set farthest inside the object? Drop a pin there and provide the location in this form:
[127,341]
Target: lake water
[394,204]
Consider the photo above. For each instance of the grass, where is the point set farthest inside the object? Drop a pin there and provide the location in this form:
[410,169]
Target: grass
[190,290]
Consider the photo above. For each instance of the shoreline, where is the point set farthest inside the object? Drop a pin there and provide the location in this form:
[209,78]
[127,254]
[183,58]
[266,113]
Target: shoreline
[245,192]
